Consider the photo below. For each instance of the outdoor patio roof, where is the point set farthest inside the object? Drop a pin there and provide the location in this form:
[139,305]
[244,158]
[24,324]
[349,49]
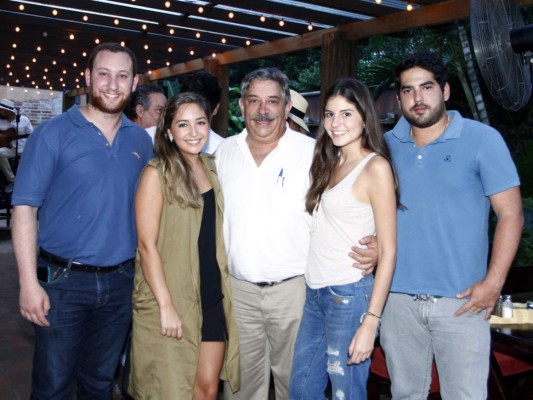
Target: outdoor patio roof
[45,43]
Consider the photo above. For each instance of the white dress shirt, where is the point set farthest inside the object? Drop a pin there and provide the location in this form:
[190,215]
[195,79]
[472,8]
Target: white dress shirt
[266,227]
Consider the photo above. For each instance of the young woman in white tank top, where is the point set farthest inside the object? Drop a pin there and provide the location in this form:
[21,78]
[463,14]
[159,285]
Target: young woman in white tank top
[353,194]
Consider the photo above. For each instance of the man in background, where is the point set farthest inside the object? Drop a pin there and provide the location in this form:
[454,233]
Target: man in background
[78,175]
[7,138]
[145,107]
[21,123]
[206,85]
[297,113]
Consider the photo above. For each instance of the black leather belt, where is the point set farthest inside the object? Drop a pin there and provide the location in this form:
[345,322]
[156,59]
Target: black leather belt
[76,266]
[272,283]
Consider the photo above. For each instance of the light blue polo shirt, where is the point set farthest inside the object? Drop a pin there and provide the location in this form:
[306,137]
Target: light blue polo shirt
[84,187]
[444,187]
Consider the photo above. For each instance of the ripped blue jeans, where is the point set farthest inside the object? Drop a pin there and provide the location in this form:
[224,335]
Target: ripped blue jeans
[331,317]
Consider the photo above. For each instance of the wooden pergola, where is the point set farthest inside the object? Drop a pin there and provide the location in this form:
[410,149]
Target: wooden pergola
[338,48]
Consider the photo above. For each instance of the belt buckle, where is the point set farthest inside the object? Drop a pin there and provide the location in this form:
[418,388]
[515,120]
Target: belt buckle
[425,297]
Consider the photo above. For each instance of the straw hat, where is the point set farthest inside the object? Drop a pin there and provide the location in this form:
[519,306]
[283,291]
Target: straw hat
[298,110]
[8,105]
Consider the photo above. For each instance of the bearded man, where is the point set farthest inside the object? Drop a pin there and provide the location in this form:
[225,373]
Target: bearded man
[78,176]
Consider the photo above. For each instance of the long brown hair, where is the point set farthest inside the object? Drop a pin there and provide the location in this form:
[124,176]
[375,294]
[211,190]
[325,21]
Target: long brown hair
[177,173]
[326,154]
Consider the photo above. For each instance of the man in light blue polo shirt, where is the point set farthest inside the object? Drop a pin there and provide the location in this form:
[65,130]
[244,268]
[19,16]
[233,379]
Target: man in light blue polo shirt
[76,182]
[451,171]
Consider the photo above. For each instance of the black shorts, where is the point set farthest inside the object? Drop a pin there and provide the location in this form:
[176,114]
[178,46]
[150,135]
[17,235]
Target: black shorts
[214,324]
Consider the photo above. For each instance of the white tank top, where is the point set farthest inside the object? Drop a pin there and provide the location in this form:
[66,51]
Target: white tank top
[339,221]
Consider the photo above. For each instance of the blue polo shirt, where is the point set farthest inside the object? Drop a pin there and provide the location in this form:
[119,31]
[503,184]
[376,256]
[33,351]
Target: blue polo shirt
[444,187]
[84,187]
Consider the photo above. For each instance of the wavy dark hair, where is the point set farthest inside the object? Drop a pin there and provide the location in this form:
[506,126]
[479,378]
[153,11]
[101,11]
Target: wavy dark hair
[326,154]
[425,60]
[177,173]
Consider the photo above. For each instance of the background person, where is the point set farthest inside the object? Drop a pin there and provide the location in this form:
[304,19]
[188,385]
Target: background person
[183,326]
[146,105]
[21,123]
[297,113]
[451,171]
[78,175]
[206,85]
[352,194]
[7,136]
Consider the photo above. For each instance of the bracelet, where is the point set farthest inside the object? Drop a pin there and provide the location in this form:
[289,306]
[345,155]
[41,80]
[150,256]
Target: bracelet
[363,315]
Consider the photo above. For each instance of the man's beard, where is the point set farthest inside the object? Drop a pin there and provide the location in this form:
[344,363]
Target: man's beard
[97,102]
[431,119]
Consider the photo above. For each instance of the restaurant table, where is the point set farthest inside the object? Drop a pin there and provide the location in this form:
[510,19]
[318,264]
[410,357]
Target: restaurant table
[514,339]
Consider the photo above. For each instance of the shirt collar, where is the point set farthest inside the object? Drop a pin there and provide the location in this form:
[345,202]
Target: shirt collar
[402,130]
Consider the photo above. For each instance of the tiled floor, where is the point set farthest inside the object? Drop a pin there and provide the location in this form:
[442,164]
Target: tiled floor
[16,334]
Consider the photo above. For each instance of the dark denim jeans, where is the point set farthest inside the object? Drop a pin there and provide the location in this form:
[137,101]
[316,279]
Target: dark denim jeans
[89,319]
[331,317]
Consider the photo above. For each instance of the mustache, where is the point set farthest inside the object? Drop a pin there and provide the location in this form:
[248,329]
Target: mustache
[262,117]
[419,105]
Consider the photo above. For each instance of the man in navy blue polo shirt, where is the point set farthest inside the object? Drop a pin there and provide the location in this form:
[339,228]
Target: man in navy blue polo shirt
[76,183]
[451,171]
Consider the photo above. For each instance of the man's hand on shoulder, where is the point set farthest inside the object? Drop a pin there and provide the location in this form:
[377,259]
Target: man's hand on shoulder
[365,259]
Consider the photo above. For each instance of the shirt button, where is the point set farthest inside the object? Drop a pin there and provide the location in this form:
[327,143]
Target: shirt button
[419,156]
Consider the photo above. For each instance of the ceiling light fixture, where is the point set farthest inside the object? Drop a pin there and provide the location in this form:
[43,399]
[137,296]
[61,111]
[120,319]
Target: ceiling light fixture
[17,29]
[310,26]
[198,35]
[409,7]
[171,31]
[191,52]
[71,36]
[85,18]
[262,18]
[281,22]
[116,21]
[54,12]
[167,4]
[201,10]
[231,15]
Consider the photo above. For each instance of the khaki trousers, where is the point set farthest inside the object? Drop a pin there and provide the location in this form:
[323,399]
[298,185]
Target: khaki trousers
[268,319]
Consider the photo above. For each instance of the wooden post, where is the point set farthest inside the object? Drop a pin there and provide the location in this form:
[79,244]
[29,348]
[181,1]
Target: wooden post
[339,59]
